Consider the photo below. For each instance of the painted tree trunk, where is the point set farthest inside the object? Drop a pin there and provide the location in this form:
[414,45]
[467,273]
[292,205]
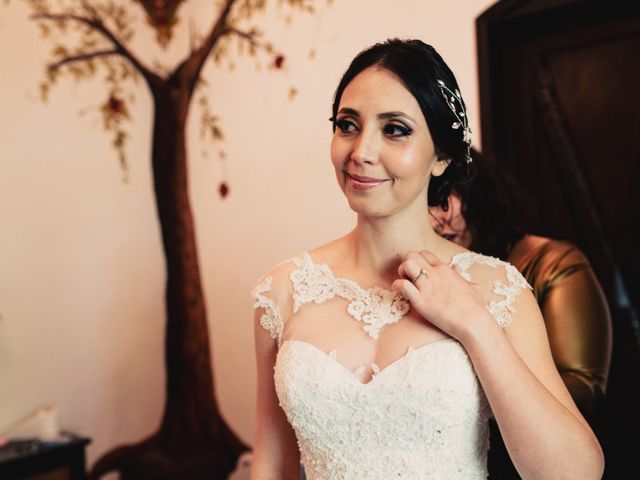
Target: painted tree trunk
[193,441]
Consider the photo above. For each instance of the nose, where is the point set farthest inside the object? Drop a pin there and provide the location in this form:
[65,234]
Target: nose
[365,149]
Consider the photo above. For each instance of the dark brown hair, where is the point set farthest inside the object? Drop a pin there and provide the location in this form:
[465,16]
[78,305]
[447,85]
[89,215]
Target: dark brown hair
[497,213]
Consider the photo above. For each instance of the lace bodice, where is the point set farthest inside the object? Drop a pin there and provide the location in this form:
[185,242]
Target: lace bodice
[423,416]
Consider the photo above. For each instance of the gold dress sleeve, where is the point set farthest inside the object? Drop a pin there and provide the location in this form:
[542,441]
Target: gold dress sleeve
[577,318]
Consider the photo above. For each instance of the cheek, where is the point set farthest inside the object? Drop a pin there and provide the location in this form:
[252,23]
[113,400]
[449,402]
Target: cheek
[410,159]
[459,224]
[337,152]
[466,239]
[411,162]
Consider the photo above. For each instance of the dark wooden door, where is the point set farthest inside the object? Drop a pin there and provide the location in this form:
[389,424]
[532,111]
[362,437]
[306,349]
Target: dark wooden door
[560,103]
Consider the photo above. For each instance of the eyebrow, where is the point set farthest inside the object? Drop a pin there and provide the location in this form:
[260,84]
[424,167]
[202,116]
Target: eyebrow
[382,116]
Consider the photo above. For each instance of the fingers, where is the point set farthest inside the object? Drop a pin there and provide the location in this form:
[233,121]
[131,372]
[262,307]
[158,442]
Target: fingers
[419,267]
[409,291]
[413,270]
[402,273]
[424,258]
[431,259]
[416,263]
[433,287]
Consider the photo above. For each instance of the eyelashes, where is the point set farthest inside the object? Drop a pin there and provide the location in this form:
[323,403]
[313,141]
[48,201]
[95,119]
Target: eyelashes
[393,129]
[397,130]
[345,126]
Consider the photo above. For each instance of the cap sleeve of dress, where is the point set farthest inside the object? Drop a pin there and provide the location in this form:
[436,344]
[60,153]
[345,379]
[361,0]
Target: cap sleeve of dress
[271,318]
[272,298]
[502,281]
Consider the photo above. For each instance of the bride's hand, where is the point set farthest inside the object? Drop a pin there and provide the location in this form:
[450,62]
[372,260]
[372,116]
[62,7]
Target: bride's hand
[438,293]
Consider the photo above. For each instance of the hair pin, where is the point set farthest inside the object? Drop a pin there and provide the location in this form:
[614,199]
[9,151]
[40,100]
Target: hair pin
[453,97]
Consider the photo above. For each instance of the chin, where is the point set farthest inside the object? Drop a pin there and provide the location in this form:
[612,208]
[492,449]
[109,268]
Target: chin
[366,207]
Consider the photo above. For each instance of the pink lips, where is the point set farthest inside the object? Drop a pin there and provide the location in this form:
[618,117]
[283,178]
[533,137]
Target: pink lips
[360,182]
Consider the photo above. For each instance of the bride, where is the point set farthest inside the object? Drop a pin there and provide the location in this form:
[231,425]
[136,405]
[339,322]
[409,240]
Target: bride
[384,353]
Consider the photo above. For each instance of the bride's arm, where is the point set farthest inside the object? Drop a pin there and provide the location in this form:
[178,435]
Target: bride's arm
[275,453]
[545,434]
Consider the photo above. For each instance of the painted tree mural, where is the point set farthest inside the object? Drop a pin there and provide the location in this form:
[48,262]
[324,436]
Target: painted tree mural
[193,440]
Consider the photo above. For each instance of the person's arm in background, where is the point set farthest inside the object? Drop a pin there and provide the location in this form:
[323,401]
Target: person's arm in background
[577,319]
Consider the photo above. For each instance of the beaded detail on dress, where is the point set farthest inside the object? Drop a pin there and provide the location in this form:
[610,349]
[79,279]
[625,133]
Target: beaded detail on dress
[422,417]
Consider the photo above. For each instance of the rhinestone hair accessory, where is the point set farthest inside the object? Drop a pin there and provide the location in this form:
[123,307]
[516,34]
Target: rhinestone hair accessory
[452,98]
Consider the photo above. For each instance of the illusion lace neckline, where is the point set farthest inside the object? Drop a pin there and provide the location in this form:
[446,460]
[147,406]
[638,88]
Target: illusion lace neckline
[374,307]
[455,259]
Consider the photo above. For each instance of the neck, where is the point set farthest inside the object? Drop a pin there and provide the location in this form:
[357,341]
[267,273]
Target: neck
[379,245]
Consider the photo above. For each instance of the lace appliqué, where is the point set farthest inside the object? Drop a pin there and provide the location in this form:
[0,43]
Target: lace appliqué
[500,309]
[271,320]
[374,307]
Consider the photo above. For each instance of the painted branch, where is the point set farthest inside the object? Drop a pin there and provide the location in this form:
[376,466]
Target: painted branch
[249,36]
[82,57]
[89,8]
[99,26]
[192,66]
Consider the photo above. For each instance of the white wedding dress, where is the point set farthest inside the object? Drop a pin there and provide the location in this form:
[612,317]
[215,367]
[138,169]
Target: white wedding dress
[423,416]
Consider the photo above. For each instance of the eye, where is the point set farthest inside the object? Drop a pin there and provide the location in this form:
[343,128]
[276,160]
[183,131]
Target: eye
[397,130]
[346,126]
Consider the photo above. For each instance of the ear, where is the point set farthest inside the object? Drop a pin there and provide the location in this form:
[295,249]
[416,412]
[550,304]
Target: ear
[440,166]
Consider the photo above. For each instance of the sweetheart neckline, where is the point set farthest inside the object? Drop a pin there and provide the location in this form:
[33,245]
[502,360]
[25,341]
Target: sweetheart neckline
[352,375]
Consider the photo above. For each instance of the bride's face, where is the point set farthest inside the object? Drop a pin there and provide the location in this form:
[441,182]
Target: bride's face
[382,150]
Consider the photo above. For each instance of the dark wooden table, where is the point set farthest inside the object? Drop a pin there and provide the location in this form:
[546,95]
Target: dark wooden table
[36,460]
